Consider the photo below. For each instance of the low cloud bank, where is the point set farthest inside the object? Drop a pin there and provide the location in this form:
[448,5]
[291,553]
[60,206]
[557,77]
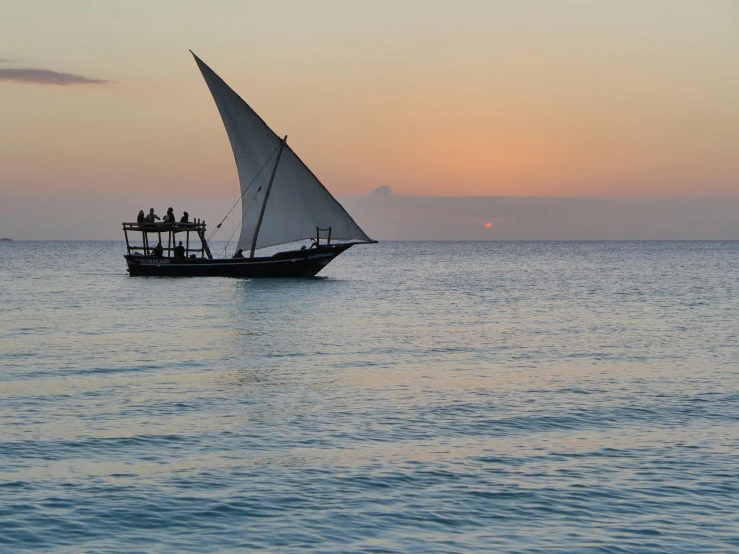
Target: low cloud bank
[99,217]
[385,216]
[389,217]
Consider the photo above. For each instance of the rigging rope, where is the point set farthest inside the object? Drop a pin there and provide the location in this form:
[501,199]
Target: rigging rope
[240,223]
[242,195]
[236,180]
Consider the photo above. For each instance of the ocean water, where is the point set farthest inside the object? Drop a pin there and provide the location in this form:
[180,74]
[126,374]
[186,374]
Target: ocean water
[418,397]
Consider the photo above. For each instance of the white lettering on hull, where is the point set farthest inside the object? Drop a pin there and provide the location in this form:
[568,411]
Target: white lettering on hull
[154,261]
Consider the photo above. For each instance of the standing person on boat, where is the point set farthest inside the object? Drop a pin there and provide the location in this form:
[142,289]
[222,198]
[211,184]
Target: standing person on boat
[239,254]
[169,217]
[141,217]
[179,251]
[152,217]
[185,218]
[158,250]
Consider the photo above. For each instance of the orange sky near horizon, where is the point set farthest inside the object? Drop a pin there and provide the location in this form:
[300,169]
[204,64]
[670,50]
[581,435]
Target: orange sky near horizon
[467,98]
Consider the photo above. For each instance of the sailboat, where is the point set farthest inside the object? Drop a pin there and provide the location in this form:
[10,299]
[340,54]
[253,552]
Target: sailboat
[283,204]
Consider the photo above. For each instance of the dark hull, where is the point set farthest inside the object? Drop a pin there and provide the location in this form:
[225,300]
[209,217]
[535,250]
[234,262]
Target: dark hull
[297,263]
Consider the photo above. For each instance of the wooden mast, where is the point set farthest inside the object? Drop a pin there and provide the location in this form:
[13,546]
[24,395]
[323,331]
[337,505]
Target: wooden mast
[266,196]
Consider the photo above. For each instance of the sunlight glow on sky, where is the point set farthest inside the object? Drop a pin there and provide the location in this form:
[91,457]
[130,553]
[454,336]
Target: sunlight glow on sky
[451,98]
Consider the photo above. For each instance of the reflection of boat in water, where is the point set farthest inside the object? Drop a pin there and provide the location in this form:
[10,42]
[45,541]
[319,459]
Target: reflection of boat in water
[282,203]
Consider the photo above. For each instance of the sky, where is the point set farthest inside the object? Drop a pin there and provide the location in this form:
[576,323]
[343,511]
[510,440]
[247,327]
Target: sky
[103,108]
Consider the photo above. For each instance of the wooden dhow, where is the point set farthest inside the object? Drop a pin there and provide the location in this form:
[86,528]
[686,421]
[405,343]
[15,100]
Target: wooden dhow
[282,204]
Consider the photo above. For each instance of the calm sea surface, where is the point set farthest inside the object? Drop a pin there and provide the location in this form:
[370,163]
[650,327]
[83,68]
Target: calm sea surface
[420,397]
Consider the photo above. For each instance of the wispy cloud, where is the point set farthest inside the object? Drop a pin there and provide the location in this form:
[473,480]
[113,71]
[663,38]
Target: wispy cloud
[46,77]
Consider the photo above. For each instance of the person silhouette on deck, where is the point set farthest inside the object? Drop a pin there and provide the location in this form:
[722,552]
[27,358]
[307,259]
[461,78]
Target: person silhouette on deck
[141,217]
[239,254]
[158,250]
[179,251]
[185,218]
[169,217]
[152,217]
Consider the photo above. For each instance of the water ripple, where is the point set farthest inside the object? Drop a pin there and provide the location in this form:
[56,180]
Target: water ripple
[420,397]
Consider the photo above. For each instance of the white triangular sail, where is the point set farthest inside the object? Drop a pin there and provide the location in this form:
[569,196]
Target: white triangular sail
[298,202]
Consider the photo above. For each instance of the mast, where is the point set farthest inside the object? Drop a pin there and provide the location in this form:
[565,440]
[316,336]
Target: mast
[266,196]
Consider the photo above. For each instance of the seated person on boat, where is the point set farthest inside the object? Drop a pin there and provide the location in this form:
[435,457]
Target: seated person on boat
[152,217]
[179,251]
